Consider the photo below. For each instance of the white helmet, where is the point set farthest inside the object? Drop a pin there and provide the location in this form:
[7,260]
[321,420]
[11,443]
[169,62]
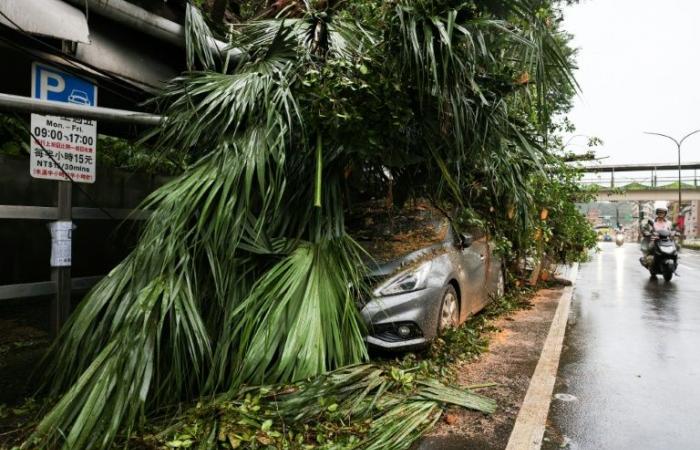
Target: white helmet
[660,207]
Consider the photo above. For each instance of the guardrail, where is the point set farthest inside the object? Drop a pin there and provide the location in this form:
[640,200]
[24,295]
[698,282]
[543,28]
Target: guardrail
[60,287]
[51,213]
[40,288]
[644,183]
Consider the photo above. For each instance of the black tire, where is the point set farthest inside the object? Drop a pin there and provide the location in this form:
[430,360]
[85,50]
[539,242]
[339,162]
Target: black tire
[668,275]
[449,309]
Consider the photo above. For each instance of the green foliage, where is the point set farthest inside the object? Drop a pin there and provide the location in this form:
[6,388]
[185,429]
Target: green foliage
[566,233]
[361,406]
[14,136]
[123,154]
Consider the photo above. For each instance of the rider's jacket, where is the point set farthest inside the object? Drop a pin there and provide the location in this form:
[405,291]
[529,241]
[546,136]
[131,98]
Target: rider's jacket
[658,225]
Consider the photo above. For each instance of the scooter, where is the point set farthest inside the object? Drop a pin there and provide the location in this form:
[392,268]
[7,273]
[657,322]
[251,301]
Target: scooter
[619,239]
[663,258]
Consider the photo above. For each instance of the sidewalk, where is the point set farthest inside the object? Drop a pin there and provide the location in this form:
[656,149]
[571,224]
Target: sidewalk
[514,353]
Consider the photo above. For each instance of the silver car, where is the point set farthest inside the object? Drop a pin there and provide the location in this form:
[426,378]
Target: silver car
[431,289]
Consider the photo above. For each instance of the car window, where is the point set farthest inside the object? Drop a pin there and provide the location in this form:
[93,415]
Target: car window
[389,233]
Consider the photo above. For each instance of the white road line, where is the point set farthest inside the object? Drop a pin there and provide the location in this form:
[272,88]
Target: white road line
[529,426]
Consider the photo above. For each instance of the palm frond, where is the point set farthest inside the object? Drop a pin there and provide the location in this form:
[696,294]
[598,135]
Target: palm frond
[198,40]
[300,318]
[398,406]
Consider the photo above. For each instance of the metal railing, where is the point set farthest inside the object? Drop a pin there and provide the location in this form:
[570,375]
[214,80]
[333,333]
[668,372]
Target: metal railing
[642,183]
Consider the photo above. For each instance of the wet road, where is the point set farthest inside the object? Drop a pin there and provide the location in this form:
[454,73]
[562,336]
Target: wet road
[631,358]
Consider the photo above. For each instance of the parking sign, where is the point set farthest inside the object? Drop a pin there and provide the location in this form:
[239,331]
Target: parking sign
[69,142]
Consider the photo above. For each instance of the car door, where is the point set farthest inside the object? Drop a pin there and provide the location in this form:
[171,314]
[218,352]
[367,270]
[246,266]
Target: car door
[493,268]
[474,257]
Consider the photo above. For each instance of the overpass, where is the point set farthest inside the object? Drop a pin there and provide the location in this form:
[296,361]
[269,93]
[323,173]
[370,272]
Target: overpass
[640,182]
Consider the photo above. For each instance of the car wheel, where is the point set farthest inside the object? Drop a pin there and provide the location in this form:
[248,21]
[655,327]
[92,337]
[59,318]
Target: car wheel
[449,310]
[501,286]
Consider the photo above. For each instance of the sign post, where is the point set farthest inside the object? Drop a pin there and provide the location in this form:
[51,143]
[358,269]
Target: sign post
[62,149]
[61,234]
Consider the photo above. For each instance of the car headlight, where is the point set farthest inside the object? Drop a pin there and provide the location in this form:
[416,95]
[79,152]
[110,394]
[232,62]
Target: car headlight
[411,280]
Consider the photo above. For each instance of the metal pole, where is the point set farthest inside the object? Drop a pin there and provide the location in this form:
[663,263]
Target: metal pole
[678,145]
[61,303]
[679,189]
[32,105]
[639,221]
[140,19]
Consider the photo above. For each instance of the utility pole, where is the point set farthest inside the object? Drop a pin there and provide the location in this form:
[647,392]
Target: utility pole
[640,217]
[678,143]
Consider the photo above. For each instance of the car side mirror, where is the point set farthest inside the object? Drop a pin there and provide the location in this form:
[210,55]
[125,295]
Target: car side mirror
[465,240]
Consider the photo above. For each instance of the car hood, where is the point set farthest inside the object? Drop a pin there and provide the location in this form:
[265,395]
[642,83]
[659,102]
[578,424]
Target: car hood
[378,270]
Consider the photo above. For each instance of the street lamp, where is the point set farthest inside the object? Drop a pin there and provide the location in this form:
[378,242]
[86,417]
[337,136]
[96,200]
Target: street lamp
[678,145]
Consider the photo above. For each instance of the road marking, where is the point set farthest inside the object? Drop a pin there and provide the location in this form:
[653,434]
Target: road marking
[687,267]
[529,426]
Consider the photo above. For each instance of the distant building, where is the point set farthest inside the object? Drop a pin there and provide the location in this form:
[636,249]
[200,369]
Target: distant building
[593,216]
[690,218]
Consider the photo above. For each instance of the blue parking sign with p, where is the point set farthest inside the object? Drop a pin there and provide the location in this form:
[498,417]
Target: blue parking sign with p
[49,83]
[62,148]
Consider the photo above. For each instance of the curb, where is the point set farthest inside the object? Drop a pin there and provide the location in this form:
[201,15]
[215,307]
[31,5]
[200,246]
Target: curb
[528,430]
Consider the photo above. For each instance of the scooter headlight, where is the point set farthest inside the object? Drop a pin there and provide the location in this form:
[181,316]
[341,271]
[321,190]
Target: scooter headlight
[410,280]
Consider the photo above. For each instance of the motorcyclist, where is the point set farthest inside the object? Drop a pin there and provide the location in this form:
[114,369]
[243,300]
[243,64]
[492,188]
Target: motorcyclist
[659,223]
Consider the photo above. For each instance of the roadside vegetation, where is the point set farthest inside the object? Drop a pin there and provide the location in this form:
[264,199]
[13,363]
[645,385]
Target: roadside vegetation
[322,413]
[241,291]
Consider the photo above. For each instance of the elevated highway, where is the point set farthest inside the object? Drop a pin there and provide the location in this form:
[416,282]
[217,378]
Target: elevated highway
[640,182]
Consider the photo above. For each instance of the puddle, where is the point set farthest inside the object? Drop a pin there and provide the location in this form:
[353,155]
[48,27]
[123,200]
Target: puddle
[565,397]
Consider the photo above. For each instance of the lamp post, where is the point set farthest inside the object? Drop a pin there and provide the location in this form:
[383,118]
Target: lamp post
[678,145]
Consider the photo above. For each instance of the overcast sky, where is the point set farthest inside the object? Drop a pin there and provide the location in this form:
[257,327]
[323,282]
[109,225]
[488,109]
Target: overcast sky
[639,70]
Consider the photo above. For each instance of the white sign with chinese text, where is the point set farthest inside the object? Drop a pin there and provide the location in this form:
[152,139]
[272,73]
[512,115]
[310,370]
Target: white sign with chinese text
[69,147]
[69,144]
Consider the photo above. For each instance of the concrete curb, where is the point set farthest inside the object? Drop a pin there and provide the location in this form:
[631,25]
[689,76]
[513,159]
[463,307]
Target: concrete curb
[529,426]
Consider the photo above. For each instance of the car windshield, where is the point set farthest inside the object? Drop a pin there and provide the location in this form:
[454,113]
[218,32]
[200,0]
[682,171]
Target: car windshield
[390,233]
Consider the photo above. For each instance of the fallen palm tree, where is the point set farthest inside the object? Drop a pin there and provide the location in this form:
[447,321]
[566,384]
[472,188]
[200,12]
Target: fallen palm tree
[361,406]
[244,274]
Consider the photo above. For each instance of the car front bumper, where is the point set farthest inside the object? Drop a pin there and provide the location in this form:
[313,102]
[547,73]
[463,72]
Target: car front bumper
[418,309]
